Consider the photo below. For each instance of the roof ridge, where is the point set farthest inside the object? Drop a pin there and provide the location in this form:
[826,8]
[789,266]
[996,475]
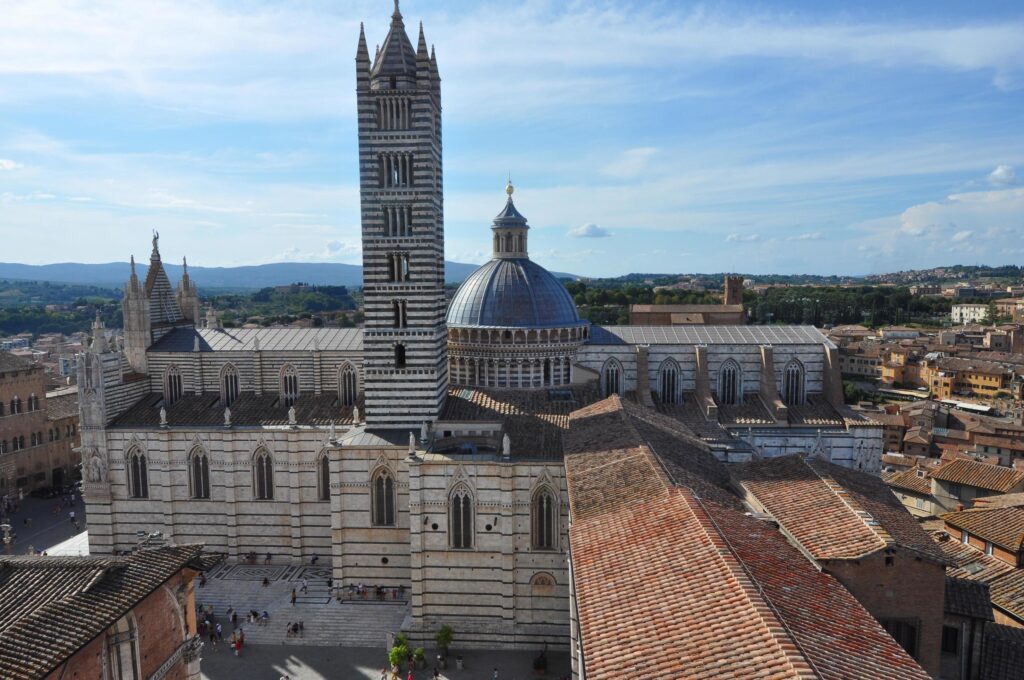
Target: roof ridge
[843,495]
[741,574]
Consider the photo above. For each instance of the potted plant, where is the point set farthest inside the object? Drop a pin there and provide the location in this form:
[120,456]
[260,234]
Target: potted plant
[419,658]
[444,641]
[398,655]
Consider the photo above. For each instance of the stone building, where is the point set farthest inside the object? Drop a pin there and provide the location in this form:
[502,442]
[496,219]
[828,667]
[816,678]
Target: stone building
[425,450]
[38,430]
[729,313]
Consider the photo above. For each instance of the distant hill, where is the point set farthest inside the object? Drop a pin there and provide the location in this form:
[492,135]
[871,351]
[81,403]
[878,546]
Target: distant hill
[221,278]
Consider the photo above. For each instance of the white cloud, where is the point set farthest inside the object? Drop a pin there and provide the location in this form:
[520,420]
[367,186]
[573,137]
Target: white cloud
[631,163]
[589,231]
[962,235]
[809,236]
[7,164]
[741,238]
[1003,175]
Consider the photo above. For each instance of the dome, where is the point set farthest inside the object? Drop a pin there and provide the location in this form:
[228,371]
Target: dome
[510,293]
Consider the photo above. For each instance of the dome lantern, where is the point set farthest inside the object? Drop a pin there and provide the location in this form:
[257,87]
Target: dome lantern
[510,231]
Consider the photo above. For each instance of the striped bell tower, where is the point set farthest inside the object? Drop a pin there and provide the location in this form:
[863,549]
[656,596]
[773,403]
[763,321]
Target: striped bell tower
[405,342]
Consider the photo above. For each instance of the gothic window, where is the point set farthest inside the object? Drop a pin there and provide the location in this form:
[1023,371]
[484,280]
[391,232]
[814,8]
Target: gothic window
[383,492]
[460,518]
[1,409]
[198,474]
[611,378]
[3,446]
[730,383]
[228,385]
[400,311]
[399,356]
[15,406]
[138,476]
[348,385]
[398,267]
[793,383]
[34,442]
[289,385]
[544,514]
[262,476]
[173,388]
[323,477]
[122,650]
[668,382]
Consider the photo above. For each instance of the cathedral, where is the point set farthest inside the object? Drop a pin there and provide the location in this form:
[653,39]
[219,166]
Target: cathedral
[424,450]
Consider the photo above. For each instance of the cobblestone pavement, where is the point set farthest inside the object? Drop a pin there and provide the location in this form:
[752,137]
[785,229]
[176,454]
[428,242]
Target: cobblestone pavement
[46,528]
[271,662]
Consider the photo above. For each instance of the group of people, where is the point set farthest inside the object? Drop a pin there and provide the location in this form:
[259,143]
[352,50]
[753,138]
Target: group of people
[213,630]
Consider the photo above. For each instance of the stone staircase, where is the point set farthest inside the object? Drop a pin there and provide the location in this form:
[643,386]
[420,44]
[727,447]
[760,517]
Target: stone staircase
[326,622]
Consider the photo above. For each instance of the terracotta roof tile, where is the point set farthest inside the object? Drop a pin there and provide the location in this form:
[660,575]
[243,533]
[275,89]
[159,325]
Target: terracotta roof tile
[50,607]
[915,480]
[1003,653]
[979,475]
[968,598]
[1002,526]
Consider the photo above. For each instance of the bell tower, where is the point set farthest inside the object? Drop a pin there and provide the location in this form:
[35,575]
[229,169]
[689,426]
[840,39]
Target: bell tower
[405,341]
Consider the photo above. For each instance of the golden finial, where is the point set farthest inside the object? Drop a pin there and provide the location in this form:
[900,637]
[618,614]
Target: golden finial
[509,188]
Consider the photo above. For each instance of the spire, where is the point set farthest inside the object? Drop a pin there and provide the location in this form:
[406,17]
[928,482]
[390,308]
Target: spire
[155,255]
[184,265]
[361,52]
[421,48]
[396,15]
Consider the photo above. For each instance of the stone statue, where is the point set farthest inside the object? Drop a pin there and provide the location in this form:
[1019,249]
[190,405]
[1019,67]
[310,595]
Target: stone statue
[355,415]
[423,431]
[333,436]
[291,416]
[506,446]
[227,417]
[156,238]
[163,417]
[412,445]
[94,471]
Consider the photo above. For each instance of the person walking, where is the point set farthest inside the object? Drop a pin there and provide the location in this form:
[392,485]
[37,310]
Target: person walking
[220,633]
[305,585]
[293,597]
[234,620]
[71,515]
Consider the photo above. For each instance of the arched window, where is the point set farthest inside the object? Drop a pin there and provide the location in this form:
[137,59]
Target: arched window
[262,476]
[611,378]
[793,383]
[497,243]
[348,385]
[544,515]
[323,477]
[122,650]
[668,382]
[138,476]
[198,474]
[400,313]
[399,356]
[460,518]
[173,388]
[289,385]
[228,385]
[15,406]
[730,383]
[383,492]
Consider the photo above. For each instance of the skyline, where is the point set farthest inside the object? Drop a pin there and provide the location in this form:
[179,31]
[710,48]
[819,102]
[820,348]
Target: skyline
[640,137]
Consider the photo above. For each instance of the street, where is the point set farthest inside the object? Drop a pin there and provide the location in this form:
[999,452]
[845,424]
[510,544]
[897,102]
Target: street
[45,528]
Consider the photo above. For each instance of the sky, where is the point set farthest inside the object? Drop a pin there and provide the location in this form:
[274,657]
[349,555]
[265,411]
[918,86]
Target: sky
[801,137]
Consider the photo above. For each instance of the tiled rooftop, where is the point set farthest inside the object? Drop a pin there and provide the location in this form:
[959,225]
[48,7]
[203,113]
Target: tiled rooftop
[1002,526]
[968,598]
[1006,584]
[915,480]
[11,362]
[707,335]
[63,406]
[816,412]
[1003,653]
[832,511]
[980,475]
[269,340]
[52,606]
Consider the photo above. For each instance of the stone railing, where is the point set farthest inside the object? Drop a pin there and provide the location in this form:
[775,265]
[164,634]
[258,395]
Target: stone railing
[187,651]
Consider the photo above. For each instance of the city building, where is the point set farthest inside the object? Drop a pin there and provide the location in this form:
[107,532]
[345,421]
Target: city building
[958,483]
[84,618]
[426,450]
[969,313]
[38,429]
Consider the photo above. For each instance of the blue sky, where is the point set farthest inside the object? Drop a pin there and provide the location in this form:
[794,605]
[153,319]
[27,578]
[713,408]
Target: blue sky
[641,136]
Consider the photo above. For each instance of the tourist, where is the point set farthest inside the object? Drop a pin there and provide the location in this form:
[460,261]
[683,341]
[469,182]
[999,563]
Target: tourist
[266,582]
[213,637]
[220,632]
[305,586]
[266,560]
[264,618]
[293,597]
[313,559]
[71,515]
[234,620]
[437,674]
[302,629]
[241,638]
[288,629]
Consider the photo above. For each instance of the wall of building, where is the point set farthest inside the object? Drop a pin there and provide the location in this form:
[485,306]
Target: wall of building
[908,588]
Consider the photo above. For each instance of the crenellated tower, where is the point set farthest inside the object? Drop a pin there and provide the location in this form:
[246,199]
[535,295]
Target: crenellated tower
[405,349]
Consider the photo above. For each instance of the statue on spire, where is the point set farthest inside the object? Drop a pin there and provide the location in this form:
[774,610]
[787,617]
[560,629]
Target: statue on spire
[156,247]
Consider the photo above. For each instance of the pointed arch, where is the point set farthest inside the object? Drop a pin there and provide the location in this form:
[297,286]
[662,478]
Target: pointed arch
[348,384]
[793,386]
[262,475]
[173,385]
[122,649]
[544,518]
[198,474]
[669,382]
[229,384]
[611,378]
[323,476]
[382,497]
[460,517]
[289,385]
[138,474]
[730,383]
